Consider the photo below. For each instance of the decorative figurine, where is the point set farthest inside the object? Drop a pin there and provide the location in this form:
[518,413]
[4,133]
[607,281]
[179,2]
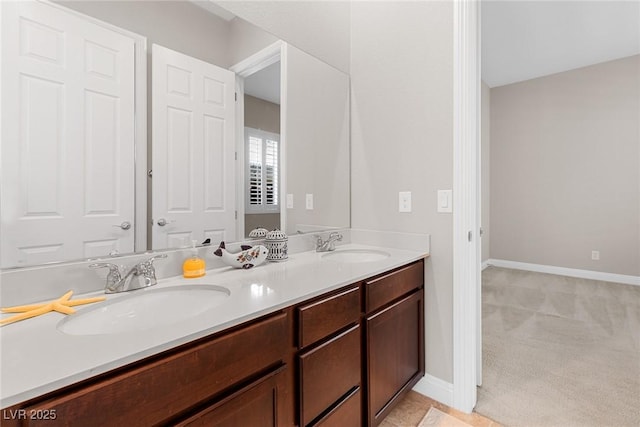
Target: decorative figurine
[248,257]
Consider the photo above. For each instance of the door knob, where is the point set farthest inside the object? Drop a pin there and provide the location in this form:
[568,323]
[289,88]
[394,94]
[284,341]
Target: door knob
[162,222]
[125,225]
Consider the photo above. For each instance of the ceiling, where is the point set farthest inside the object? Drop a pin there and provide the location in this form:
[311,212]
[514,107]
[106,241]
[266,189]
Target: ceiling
[265,84]
[522,40]
[210,6]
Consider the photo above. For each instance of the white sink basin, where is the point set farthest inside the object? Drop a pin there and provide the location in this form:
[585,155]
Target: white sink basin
[143,310]
[356,255]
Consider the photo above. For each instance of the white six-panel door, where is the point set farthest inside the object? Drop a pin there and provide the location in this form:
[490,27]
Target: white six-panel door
[193,154]
[67,136]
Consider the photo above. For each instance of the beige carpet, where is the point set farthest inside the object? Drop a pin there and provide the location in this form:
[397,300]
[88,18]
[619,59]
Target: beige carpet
[437,418]
[559,351]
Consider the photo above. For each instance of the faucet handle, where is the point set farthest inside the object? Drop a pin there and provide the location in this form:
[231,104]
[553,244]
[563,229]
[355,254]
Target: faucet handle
[147,269]
[155,257]
[113,269]
[114,275]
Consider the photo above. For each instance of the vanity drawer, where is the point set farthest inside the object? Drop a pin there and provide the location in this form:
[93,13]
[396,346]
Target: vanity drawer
[152,393]
[384,289]
[326,316]
[348,413]
[253,405]
[328,372]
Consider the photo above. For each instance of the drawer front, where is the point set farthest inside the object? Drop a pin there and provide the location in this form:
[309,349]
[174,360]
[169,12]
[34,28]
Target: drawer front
[158,390]
[328,372]
[253,405]
[383,290]
[322,318]
[347,414]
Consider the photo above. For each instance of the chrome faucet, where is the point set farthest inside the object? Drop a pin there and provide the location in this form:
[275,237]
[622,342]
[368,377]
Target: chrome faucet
[141,275]
[329,244]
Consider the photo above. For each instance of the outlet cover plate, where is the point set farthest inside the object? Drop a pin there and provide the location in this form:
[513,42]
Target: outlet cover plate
[404,201]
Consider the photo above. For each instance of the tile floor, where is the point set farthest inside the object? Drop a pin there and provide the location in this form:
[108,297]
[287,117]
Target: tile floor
[414,407]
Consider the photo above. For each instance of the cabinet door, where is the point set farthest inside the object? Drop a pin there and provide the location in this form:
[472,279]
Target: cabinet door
[253,405]
[395,356]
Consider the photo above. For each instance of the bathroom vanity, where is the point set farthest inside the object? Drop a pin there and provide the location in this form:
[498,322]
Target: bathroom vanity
[296,353]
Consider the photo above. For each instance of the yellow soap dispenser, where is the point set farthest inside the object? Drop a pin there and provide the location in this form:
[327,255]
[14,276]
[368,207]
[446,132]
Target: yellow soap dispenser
[193,266]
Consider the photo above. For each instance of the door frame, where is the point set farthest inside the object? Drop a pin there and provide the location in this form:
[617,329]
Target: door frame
[466,200]
[269,55]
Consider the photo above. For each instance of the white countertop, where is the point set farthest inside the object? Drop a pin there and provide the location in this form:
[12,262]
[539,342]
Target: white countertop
[37,358]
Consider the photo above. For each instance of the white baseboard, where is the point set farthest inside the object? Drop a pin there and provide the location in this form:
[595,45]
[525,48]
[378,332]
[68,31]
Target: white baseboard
[485,264]
[436,389]
[563,271]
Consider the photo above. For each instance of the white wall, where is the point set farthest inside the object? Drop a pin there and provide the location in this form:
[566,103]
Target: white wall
[317,137]
[178,25]
[321,28]
[565,169]
[402,133]
[246,39]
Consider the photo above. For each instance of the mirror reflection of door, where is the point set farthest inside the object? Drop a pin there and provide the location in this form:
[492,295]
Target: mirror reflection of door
[68,136]
[262,149]
[193,181]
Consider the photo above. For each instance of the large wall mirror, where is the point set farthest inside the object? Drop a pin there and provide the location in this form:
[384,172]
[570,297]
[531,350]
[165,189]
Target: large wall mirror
[132,126]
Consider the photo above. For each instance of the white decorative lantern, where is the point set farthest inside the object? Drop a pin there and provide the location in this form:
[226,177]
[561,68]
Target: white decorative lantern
[276,241]
[258,233]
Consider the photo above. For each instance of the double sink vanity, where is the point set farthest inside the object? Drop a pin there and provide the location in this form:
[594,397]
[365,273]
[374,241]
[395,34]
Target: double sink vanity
[332,338]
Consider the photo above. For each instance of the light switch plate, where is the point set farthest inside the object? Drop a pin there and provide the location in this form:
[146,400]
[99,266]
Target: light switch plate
[309,201]
[404,201]
[289,201]
[445,201]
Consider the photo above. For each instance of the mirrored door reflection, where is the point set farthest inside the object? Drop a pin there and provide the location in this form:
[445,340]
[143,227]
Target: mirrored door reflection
[262,149]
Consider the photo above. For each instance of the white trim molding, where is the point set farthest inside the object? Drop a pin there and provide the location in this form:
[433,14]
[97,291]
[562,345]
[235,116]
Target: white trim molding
[564,271]
[259,60]
[436,389]
[466,224]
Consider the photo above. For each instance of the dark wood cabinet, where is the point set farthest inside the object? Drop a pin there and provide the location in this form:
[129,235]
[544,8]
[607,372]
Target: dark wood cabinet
[328,372]
[151,393]
[388,287]
[327,315]
[395,354]
[347,413]
[329,360]
[257,404]
[341,359]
